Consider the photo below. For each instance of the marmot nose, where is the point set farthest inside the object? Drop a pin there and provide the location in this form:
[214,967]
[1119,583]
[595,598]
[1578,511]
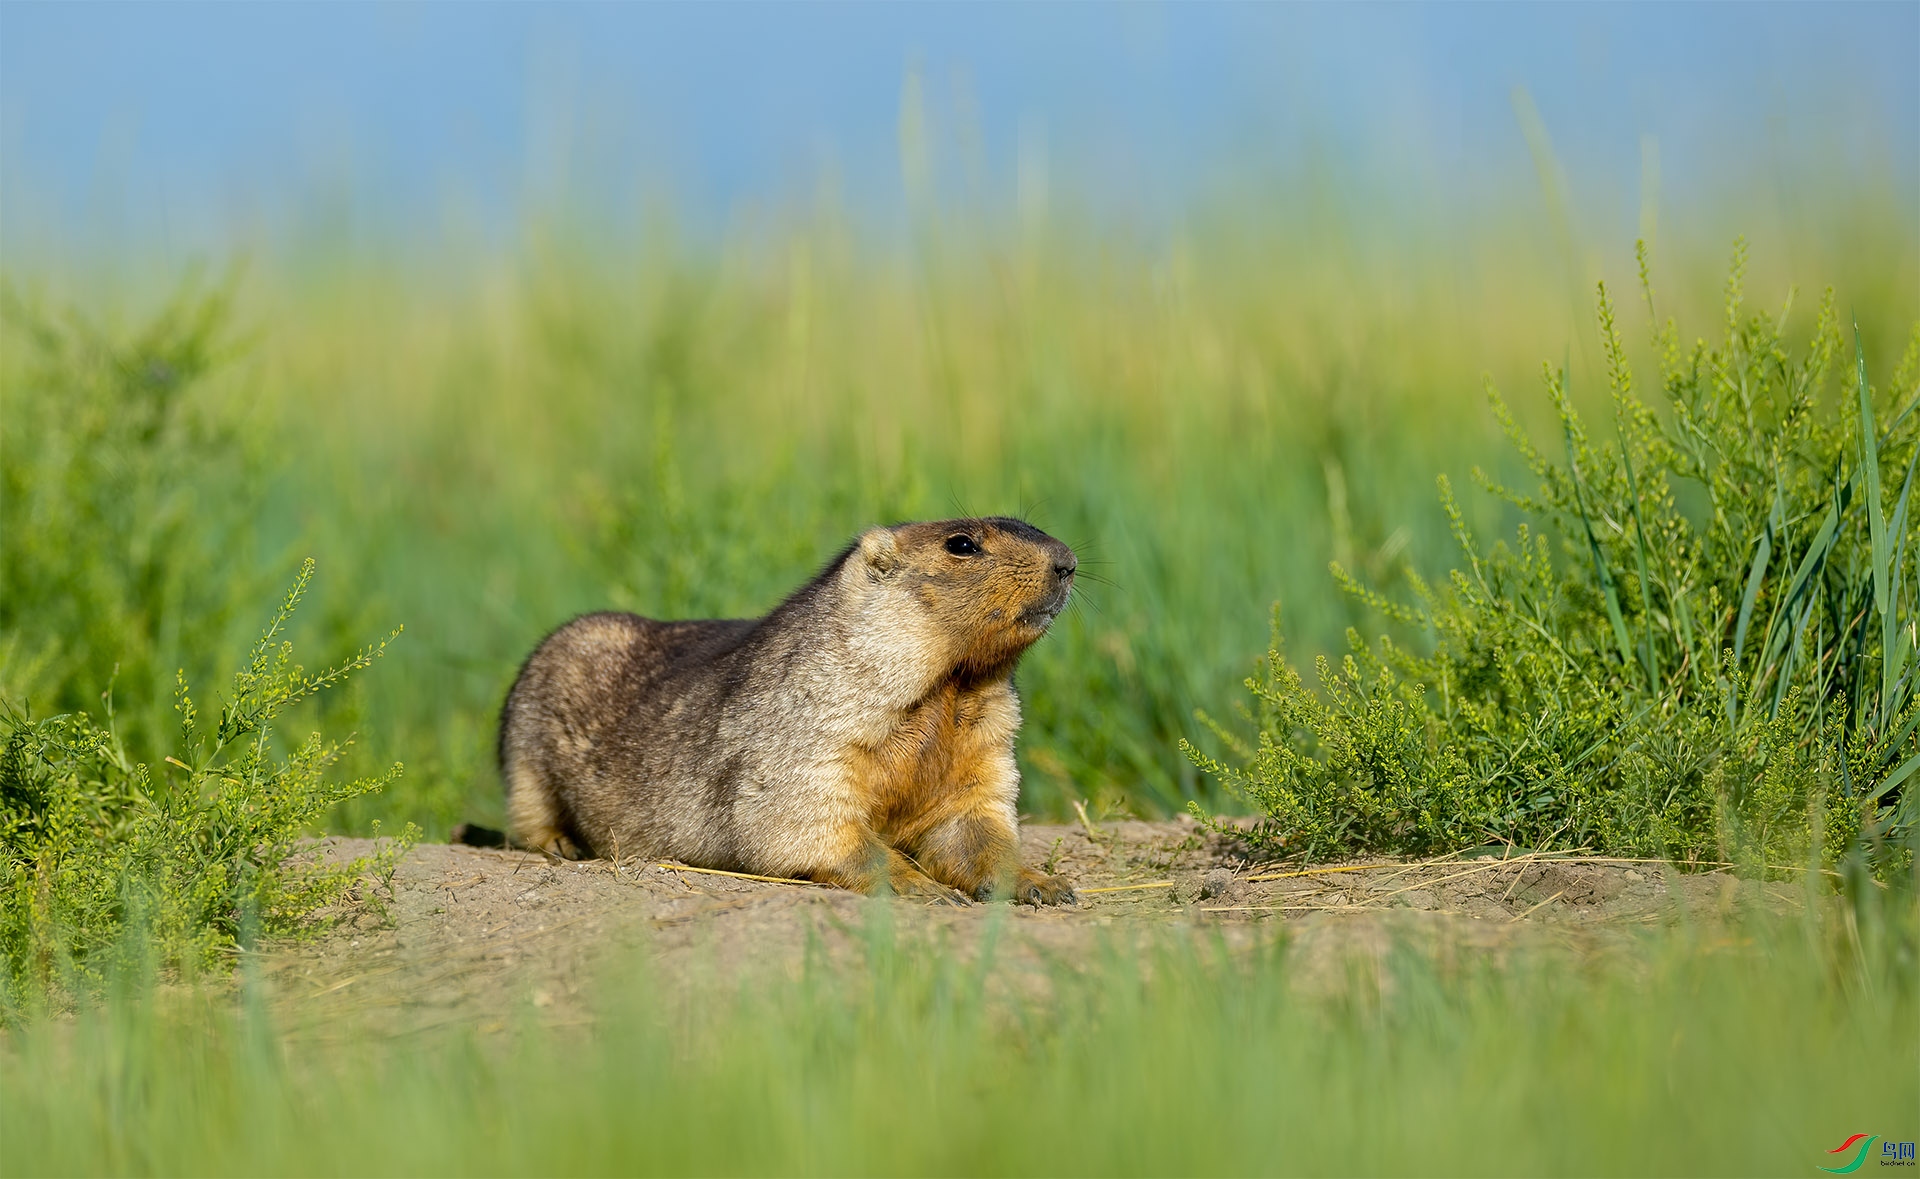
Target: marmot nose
[1064,565]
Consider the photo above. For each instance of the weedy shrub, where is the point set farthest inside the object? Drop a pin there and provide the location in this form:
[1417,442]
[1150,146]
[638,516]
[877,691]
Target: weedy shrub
[102,857]
[1700,646]
[125,483]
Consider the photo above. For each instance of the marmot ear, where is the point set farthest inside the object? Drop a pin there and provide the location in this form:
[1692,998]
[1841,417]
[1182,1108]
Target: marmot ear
[880,552]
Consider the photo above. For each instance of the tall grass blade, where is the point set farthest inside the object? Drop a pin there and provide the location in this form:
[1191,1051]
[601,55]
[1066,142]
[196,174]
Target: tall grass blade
[1755,576]
[1593,546]
[1646,584]
[1775,524]
[1895,649]
[1790,656]
[1876,521]
[1900,418]
[1890,747]
[1784,623]
[1896,777]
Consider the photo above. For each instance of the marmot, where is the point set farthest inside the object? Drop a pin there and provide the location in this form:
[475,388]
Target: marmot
[861,734]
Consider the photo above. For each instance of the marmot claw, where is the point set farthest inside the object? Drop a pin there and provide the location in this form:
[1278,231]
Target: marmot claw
[1038,890]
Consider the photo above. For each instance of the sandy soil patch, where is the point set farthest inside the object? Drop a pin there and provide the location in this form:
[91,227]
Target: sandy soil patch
[470,935]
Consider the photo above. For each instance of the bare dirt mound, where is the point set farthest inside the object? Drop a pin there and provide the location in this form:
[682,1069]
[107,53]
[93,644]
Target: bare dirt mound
[468,935]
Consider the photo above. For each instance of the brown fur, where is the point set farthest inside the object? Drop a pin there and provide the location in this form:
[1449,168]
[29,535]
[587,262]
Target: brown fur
[861,734]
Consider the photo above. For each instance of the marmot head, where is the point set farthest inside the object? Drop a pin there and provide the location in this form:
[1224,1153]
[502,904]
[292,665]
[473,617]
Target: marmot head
[979,592]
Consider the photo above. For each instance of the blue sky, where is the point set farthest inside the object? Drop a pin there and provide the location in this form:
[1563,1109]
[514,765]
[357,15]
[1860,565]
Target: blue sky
[183,120]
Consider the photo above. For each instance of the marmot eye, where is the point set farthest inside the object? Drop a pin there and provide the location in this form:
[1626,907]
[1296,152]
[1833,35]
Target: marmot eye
[962,545]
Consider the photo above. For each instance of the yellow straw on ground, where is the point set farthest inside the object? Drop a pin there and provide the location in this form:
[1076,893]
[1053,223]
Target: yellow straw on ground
[735,875]
[1318,871]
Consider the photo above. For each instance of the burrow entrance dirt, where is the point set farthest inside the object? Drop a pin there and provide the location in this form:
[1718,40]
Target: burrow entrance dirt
[473,936]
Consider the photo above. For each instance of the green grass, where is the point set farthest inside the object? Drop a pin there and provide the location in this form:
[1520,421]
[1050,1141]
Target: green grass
[180,861]
[1699,645]
[1747,1047]
[690,432]
[477,450]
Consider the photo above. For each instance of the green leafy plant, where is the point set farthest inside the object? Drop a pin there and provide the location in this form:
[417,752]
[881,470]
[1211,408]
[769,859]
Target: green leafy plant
[1715,659]
[102,857]
[126,489]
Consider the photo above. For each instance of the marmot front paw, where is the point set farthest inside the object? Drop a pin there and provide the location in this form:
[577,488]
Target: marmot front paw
[1037,888]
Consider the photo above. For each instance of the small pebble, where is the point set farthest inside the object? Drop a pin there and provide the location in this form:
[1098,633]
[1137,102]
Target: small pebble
[1216,883]
[1635,877]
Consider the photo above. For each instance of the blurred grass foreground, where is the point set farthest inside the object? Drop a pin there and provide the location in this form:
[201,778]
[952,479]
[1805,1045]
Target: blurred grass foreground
[480,446]
[1746,1046]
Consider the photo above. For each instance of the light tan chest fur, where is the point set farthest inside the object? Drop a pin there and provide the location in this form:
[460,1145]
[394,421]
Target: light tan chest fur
[948,751]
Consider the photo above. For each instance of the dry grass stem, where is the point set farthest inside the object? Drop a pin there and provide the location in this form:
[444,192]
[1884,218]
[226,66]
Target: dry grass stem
[1127,887]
